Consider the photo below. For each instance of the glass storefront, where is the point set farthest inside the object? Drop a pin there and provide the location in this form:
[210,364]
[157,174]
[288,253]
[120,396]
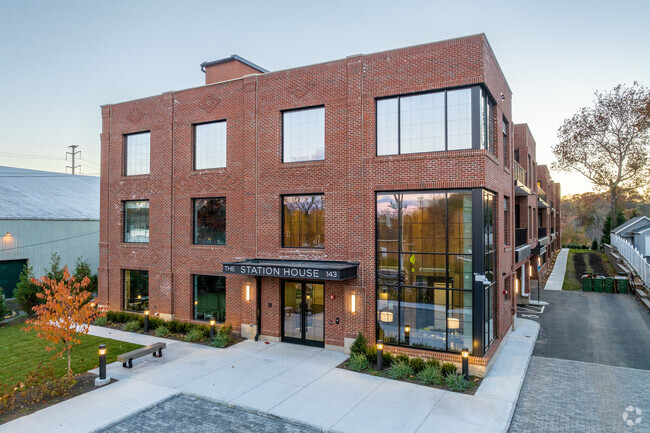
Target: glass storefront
[424,269]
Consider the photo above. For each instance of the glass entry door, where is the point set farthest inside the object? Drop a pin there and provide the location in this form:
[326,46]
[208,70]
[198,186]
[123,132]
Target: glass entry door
[303,310]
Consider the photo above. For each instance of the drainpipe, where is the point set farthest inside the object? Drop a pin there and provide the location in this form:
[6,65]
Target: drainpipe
[258,301]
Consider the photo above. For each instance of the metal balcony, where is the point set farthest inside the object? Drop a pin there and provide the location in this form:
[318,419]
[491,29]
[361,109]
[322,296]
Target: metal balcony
[520,180]
[521,237]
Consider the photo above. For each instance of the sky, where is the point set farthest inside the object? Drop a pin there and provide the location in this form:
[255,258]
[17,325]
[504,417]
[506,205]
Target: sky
[61,60]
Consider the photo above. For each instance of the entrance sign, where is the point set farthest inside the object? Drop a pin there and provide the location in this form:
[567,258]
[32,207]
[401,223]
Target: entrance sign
[303,269]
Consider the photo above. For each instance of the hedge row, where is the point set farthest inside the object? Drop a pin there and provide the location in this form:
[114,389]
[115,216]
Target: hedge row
[174,326]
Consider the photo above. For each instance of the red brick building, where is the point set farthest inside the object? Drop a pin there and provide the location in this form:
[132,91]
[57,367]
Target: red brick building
[370,194]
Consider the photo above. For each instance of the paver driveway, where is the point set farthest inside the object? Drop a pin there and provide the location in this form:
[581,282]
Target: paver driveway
[591,363]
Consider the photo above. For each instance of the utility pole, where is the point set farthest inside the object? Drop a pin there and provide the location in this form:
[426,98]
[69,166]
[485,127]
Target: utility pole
[73,152]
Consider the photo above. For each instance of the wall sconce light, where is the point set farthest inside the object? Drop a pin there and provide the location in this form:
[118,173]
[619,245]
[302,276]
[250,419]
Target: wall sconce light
[516,285]
[530,270]
[212,323]
[146,320]
[465,353]
[248,291]
[353,307]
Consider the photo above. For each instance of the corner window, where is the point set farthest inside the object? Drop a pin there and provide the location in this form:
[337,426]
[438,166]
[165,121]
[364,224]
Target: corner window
[136,290]
[303,220]
[209,297]
[136,221]
[435,121]
[210,145]
[489,254]
[210,221]
[303,135]
[136,154]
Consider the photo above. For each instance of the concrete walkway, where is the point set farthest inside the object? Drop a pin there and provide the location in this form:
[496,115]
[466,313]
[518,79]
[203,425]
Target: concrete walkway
[556,279]
[295,382]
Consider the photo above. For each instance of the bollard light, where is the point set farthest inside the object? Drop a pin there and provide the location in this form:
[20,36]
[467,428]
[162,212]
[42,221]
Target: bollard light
[465,353]
[380,354]
[407,334]
[212,323]
[102,379]
[146,320]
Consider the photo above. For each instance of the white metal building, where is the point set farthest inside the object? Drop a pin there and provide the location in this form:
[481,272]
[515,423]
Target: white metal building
[43,213]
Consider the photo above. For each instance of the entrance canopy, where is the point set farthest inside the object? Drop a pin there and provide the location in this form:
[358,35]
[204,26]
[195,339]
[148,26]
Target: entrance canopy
[304,269]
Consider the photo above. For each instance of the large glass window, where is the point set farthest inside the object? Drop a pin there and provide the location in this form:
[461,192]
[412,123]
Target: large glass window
[489,252]
[303,135]
[136,290]
[136,154]
[210,145]
[209,297]
[210,221]
[424,269]
[303,221]
[434,121]
[136,221]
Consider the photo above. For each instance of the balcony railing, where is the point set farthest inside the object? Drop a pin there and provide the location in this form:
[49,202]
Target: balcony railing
[520,173]
[521,237]
[541,232]
[540,193]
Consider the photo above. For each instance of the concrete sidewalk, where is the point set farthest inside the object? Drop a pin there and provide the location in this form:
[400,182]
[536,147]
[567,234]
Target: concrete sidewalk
[556,279]
[294,382]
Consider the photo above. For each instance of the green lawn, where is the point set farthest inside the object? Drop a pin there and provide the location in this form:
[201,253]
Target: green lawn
[20,353]
[585,261]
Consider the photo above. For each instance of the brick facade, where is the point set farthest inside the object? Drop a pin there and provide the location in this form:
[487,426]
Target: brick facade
[255,178]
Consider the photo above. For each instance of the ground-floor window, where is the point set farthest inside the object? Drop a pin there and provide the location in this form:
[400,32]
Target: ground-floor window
[210,297]
[136,290]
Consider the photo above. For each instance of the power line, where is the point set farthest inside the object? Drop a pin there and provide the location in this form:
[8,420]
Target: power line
[40,143]
[50,242]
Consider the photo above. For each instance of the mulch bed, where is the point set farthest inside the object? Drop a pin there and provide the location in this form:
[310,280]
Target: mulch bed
[579,265]
[85,383]
[177,337]
[474,381]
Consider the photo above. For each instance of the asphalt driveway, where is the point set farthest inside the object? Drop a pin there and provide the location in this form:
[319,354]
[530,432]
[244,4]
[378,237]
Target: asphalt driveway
[603,328]
[590,370]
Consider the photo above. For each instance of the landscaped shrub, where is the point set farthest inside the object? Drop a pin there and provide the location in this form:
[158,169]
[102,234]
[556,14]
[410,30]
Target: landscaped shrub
[372,355]
[417,364]
[400,370]
[431,375]
[402,358]
[360,345]
[456,382]
[101,321]
[358,362]
[193,335]
[223,337]
[387,359]
[26,291]
[161,331]
[132,326]
[433,362]
[3,307]
[447,368]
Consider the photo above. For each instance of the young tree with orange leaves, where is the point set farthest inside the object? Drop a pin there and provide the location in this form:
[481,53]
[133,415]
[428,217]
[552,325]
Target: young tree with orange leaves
[65,313]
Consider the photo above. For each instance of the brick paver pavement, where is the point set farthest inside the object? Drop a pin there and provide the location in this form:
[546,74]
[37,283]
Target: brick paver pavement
[187,414]
[573,396]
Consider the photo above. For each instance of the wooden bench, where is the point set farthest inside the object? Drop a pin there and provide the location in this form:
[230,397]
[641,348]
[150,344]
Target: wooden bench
[127,358]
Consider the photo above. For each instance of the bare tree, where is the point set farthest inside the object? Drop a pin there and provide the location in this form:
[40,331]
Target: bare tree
[608,143]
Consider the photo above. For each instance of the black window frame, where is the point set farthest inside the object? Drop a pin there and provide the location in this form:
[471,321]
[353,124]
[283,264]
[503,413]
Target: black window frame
[194,220]
[125,221]
[195,301]
[282,196]
[125,152]
[476,90]
[194,125]
[291,110]
[125,302]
